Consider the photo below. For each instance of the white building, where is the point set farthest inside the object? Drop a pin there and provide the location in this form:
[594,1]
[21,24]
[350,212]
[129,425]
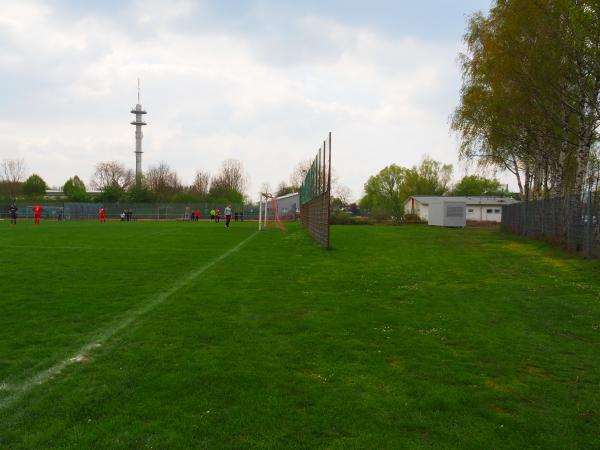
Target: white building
[447,212]
[480,209]
[288,206]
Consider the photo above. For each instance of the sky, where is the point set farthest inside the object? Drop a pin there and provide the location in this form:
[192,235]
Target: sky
[259,81]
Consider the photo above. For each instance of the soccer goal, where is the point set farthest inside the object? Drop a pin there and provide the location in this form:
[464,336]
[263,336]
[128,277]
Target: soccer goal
[268,212]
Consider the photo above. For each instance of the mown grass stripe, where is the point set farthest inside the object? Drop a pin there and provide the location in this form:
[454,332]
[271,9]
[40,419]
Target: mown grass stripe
[18,391]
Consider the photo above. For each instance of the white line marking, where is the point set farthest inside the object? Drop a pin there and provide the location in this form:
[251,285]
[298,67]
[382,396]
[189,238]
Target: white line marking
[18,391]
[56,247]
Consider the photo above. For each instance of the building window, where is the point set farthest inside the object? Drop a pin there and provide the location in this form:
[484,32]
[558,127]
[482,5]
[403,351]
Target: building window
[454,211]
[497,211]
[471,210]
[490,211]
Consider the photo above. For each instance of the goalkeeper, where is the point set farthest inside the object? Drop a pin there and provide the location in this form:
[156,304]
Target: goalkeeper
[227,215]
[12,211]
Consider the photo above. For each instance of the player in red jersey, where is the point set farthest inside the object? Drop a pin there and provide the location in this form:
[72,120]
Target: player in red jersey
[102,216]
[37,214]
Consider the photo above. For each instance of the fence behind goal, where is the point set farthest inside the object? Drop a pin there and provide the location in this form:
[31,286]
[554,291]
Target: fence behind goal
[141,211]
[315,195]
[573,221]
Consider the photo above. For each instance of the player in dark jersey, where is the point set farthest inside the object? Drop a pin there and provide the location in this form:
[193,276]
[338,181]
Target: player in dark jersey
[12,211]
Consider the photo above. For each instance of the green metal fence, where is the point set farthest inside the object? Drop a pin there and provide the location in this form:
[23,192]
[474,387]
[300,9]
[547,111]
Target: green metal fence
[139,211]
[315,195]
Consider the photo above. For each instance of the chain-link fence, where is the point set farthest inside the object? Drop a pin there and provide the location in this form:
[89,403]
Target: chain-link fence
[573,221]
[131,211]
[315,195]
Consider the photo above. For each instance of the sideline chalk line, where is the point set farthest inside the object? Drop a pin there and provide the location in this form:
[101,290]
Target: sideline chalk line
[42,377]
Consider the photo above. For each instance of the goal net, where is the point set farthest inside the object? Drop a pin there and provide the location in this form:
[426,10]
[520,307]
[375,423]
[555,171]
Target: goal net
[315,195]
[268,213]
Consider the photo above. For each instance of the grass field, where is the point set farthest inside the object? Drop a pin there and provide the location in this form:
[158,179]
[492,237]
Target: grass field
[182,335]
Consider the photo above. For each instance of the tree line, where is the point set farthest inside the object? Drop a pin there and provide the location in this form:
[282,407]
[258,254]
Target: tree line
[386,192]
[530,96]
[114,182]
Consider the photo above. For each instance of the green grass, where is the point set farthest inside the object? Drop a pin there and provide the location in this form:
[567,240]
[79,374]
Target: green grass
[399,337]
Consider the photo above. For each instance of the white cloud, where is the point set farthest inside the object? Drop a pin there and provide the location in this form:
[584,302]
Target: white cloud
[267,98]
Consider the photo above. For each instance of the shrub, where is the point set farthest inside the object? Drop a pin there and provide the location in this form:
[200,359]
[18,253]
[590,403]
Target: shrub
[344,218]
[412,218]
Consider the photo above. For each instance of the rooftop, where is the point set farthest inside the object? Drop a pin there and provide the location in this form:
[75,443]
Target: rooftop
[288,195]
[481,200]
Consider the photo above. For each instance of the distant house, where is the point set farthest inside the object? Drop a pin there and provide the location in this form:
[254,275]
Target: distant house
[480,209]
[288,206]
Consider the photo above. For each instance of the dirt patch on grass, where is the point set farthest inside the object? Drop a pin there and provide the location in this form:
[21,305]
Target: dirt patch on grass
[318,377]
[395,363]
[537,372]
[81,359]
[497,386]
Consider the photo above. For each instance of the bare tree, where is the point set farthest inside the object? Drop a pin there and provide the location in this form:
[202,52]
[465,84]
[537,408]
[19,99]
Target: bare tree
[297,176]
[161,179]
[112,174]
[284,189]
[201,183]
[343,193]
[12,170]
[231,177]
[12,174]
[265,188]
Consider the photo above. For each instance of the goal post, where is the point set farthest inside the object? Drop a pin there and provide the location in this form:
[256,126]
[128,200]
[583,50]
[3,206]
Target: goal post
[268,212]
[315,195]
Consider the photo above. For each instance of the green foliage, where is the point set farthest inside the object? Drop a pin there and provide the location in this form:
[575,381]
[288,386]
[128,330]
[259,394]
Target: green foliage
[429,178]
[344,218]
[386,192]
[140,194]
[474,185]
[74,190]
[34,186]
[338,204]
[412,219]
[185,197]
[530,100]
[220,194]
[112,194]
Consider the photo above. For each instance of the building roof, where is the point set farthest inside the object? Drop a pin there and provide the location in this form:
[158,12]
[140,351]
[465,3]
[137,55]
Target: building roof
[288,195]
[482,200]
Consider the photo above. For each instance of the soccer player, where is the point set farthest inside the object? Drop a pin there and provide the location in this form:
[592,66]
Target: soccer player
[37,214]
[218,216]
[196,215]
[102,216]
[227,215]
[212,214]
[12,211]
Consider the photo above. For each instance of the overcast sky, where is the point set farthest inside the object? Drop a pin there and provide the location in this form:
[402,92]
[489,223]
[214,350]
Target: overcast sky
[260,81]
